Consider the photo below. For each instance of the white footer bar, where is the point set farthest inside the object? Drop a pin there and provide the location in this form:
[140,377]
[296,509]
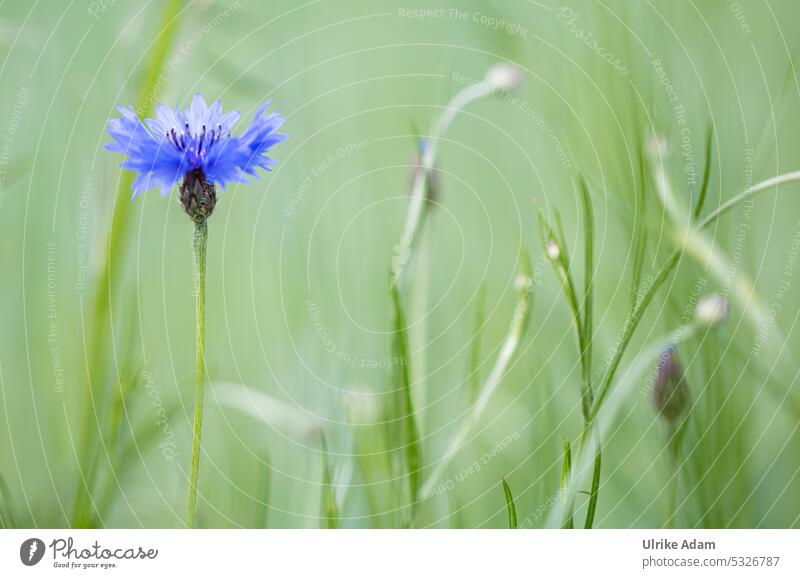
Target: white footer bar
[400,553]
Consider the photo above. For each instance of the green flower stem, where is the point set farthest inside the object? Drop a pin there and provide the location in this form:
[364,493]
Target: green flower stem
[199,246]
[676,434]
[672,490]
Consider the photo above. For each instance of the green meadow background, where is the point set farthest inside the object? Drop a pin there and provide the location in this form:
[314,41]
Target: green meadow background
[299,321]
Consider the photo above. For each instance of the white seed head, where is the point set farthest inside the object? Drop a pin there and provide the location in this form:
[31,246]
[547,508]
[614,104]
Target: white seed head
[504,76]
[553,252]
[712,309]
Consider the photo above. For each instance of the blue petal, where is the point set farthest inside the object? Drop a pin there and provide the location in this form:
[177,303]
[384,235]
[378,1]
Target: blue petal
[197,114]
[163,161]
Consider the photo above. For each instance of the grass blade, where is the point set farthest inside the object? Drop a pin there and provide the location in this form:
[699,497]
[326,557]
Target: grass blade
[410,436]
[566,470]
[701,197]
[329,508]
[512,510]
[586,352]
[640,232]
[592,507]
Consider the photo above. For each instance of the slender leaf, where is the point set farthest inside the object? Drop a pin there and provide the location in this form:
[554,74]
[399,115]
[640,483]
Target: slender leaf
[329,507]
[701,197]
[586,353]
[512,510]
[410,435]
[639,232]
[592,507]
[566,470]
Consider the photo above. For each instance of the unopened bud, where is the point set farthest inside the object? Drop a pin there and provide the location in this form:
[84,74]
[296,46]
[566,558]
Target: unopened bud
[521,281]
[670,391]
[712,309]
[553,251]
[504,76]
[198,197]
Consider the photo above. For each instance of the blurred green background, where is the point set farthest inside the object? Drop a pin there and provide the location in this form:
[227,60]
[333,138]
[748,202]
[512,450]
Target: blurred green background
[298,299]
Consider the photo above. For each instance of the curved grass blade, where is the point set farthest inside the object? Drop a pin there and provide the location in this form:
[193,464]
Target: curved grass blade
[701,197]
[512,510]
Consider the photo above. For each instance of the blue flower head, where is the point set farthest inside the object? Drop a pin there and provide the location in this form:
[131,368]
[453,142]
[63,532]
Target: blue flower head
[194,146]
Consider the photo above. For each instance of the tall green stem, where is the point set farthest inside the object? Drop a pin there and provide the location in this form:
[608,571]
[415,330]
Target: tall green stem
[672,493]
[676,433]
[199,246]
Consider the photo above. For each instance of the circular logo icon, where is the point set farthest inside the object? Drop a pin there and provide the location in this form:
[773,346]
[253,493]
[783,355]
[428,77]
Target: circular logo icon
[31,551]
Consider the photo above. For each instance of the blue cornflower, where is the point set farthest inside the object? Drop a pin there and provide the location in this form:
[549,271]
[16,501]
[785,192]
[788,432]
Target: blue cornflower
[195,146]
